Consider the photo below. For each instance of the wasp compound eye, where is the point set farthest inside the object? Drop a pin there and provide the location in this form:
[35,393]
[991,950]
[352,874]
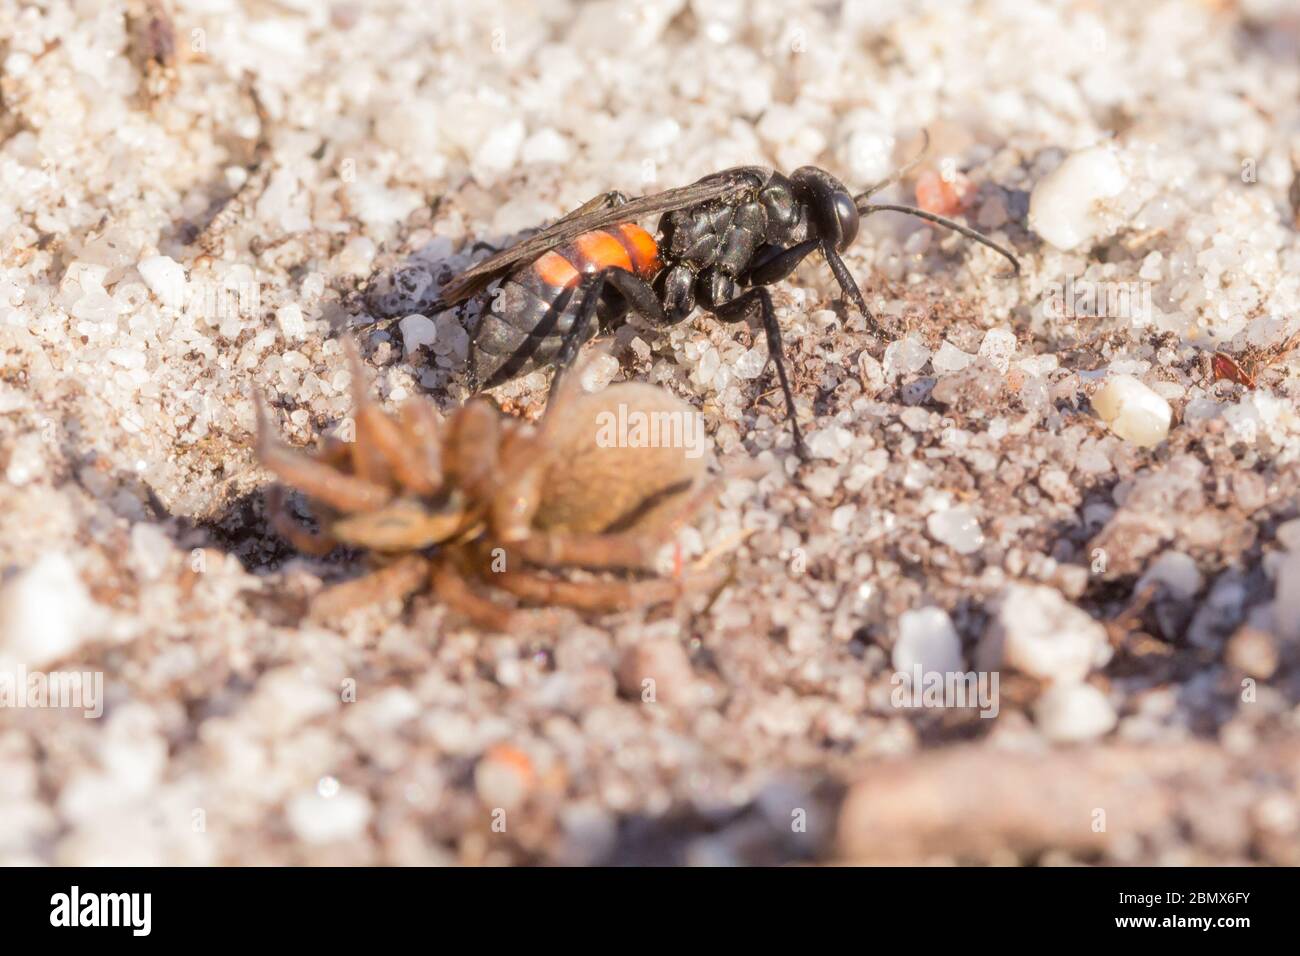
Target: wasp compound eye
[831,204]
[846,214]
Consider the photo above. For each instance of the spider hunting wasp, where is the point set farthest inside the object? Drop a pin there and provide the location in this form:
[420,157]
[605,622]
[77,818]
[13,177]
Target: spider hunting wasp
[721,242]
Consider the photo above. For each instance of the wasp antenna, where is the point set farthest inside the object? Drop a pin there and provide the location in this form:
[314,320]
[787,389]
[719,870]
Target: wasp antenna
[957,227]
[898,174]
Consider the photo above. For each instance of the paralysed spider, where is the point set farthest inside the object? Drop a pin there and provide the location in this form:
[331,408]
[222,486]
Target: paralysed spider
[484,497]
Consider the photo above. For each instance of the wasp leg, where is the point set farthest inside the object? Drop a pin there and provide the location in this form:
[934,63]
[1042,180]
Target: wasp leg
[637,293]
[775,266]
[845,278]
[589,292]
[393,582]
[520,357]
[640,297]
[736,311]
[772,264]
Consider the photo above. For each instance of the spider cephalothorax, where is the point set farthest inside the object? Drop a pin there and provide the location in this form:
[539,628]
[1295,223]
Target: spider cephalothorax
[486,497]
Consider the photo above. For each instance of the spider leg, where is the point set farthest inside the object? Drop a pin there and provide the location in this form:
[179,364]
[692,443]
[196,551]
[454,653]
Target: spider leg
[406,460]
[454,591]
[316,544]
[594,551]
[473,448]
[320,481]
[587,595]
[422,426]
[396,581]
[333,452]
[407,450]
[368,460]
[631,550]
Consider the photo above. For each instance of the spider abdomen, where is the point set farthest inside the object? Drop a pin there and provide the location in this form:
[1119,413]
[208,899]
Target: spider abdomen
[624,457]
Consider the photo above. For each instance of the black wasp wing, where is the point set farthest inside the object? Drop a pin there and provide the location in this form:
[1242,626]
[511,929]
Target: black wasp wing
[478,277]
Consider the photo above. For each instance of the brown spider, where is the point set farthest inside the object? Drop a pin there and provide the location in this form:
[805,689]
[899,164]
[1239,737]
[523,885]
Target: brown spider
[484,496]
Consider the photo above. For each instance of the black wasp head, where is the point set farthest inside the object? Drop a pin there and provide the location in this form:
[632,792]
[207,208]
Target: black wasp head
[831,203]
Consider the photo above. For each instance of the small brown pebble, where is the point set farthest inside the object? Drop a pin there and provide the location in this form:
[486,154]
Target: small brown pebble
[1253,652]
[504,776]
[942,194]
[658,671]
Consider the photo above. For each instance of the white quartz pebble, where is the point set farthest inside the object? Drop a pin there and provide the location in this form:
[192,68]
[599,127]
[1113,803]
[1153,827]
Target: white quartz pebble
[1038,632]
[165,278]
[1064,206]
[927,639]
[1074,712]
[958,528]
[1133,411]
[417,331]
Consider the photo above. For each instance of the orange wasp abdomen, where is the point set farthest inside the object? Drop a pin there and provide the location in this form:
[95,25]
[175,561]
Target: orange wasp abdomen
[523,309]
[627,247]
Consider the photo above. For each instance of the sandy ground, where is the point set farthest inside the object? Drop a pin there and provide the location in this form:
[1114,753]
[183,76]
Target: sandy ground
[184,224]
